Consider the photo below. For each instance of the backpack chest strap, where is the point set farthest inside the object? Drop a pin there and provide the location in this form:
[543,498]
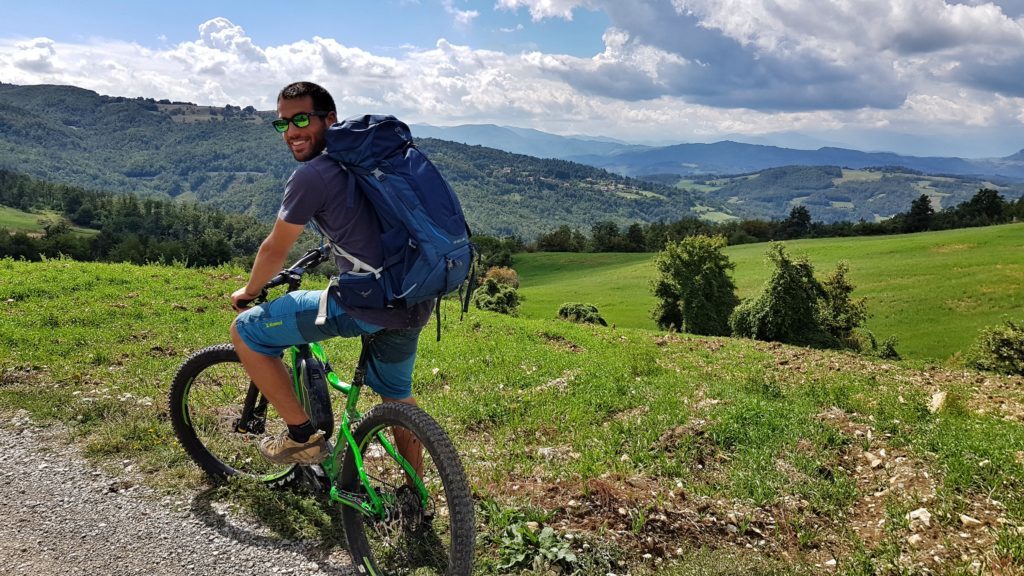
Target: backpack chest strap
[358,266]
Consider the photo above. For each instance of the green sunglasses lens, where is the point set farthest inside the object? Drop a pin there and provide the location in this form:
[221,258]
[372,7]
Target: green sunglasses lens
[300,121]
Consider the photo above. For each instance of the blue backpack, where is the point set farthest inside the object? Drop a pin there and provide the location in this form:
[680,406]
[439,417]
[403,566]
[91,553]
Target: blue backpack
[424,235]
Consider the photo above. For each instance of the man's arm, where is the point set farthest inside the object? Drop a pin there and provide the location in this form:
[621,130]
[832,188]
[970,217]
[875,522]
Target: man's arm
[269,259]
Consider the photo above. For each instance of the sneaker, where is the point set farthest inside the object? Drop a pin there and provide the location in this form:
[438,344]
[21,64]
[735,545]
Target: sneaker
[283,450]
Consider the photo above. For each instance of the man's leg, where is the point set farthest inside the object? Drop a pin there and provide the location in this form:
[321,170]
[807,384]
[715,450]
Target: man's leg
[270,375]
[407,444]
[302,443]
[260,335]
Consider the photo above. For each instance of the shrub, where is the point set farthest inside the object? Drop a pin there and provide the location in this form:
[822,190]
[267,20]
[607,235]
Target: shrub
[693,286]
[787,310]
[999,349]
[582,313]
[496,297]
[886,350]
[502,275]
[795,308]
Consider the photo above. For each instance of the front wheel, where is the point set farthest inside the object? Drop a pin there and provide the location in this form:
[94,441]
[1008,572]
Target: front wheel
[417,532]
[219,416]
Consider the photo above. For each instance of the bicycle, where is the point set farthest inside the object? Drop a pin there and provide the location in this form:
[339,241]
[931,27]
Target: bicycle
[396,520]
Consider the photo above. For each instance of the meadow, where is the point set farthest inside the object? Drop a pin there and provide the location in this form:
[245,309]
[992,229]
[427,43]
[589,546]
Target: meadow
[15,220]
[644,452]
[933,291]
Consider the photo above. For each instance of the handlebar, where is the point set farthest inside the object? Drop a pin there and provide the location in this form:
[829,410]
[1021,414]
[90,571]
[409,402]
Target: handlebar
[292,276]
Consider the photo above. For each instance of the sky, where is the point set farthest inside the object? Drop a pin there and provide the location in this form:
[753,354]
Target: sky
[920,77]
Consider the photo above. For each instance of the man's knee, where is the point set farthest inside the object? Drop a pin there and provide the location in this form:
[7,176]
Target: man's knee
[236,338]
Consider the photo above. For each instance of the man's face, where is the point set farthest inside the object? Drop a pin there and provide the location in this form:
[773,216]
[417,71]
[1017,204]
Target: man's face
[305,143]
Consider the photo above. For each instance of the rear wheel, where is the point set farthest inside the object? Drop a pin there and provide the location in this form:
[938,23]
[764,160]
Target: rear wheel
[219,416]
[414,535]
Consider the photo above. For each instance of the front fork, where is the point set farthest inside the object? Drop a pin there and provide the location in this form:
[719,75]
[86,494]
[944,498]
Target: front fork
[371,503]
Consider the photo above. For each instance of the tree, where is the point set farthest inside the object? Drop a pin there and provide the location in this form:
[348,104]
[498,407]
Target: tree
[840,313]
[563,239]
[985,207]
[695,292]
[605,237]
[635,240]
[920,216]
[797,225]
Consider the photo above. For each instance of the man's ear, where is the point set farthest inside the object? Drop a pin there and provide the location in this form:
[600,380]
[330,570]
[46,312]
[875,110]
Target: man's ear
[332,118]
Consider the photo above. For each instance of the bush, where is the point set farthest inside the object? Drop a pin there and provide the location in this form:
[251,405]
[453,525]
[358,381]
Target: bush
[886,350]
[795,308]
[581,313]
[502,275]
[787,309]
[497,297]
[999,349]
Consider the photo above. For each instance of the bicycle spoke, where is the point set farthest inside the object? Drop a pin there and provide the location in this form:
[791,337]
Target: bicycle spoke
[410,536]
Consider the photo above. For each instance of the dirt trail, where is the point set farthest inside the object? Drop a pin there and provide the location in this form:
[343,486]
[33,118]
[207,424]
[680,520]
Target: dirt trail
[62,516]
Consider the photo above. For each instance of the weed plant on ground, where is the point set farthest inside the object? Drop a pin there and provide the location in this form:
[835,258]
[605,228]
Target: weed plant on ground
[590,449]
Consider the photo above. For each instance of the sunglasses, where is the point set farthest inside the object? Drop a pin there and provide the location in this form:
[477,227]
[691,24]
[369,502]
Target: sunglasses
[300,120]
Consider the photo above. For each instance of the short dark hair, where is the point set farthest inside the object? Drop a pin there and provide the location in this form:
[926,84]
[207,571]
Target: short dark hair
[322,100]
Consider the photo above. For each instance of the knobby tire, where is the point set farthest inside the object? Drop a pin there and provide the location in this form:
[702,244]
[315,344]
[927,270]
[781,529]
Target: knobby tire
[413,540]
[206,399]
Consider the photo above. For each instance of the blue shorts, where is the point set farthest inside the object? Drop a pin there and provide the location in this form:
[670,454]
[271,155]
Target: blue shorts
[290,320]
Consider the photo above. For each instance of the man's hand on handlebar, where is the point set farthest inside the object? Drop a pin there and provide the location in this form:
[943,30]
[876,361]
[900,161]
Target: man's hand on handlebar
[241,299]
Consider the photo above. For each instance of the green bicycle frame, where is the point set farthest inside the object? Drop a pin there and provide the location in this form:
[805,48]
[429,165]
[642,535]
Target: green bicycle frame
[373,504]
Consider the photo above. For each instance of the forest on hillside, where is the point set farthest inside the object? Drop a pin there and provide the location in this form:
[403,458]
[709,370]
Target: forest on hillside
[987,207]
[127,228]
[230,158]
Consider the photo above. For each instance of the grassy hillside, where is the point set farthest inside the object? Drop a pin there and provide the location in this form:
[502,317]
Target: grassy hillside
[932,290]
[14,220]
[646,454]
[232,159]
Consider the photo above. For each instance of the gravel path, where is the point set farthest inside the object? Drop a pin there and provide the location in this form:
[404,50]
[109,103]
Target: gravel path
[59,515]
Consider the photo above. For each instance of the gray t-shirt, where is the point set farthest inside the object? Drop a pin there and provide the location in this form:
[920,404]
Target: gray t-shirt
[318,191]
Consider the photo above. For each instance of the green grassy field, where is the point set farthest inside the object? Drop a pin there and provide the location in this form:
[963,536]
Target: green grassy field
[18,221]
[933,290]
[645,453]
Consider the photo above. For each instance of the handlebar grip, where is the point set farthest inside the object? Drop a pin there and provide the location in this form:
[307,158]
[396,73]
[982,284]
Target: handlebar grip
[258,300]
[311,258]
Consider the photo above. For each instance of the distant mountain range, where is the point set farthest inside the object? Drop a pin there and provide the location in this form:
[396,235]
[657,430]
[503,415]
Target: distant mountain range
[526,141]
[720,158]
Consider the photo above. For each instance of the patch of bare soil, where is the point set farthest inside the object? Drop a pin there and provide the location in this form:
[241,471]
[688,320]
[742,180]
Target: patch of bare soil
[562,343]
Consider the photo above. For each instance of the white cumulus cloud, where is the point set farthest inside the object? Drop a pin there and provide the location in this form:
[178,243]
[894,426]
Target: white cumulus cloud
[669,70]
[35,55]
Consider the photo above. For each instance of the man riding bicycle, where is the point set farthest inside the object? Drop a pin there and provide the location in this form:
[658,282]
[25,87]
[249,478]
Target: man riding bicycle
[314,192]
